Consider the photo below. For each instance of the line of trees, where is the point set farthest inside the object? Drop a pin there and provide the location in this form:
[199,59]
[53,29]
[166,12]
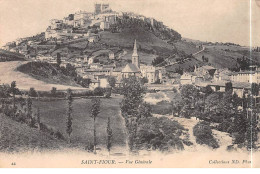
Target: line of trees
[21,110]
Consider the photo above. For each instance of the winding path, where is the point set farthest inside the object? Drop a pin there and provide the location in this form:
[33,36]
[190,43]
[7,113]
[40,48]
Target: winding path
[194,54]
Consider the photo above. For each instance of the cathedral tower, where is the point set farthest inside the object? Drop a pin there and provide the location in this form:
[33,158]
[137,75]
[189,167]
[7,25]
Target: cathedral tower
[135,57]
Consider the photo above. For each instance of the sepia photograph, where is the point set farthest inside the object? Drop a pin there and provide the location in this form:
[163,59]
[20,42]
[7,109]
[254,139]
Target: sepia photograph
[129,84]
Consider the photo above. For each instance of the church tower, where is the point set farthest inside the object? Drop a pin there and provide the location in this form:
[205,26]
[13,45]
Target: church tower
[135,57]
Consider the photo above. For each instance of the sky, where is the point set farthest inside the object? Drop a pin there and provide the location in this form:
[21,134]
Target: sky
[205,20]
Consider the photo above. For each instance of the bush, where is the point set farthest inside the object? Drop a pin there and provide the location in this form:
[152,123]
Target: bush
[51,131]
[108,92]
[98,91]
[225,126]
[4,91]
[53,92]
[162,108]
[174,90]
[203,134]
[32,92]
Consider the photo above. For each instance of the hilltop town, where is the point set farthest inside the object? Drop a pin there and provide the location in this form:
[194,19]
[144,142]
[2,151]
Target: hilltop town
[75,40]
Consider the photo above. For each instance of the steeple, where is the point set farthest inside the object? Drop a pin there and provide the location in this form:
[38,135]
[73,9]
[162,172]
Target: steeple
[135,57]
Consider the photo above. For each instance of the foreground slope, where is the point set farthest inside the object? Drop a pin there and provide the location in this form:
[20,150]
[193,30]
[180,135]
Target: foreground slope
[15,136]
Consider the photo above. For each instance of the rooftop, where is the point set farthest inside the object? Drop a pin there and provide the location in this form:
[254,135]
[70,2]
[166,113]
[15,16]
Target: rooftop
[130,68]
[238,85]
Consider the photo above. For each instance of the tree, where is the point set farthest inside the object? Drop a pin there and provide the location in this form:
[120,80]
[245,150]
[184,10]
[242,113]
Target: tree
[133,92]
[58,59]
[108,92]
[69,113]
[32,92]
[244,101]
[189,94]
[255,90]
[177,105]
[145,110]
[5,91]
[71,70]
[252,130]
[239,128]
[95,110]
[98,91]
[38,117]
[203,134]
[236,101]
[14,91]
[227,105]
[144,80]
[112,81]
[86,82]
[109,135]
[212,107]
[174,90]
[29,111]
[157,61]
[228,86]
[207,90]
[53,92]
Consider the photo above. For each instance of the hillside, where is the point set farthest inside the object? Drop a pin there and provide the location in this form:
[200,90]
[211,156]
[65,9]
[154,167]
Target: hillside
[49,73]
[146,41]
[10,56]
[9,73]
[154,39]
[223,55]
[15,136]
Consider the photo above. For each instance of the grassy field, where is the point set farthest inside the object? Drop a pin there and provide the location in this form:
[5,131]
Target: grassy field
[187,47]
[46,72]
[54,114]
[9,73]
[15,136]
[144,38]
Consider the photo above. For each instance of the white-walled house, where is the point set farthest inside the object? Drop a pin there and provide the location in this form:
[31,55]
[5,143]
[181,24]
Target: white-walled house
[150,73]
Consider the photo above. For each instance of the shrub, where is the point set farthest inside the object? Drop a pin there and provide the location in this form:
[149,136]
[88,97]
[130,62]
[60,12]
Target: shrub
[225,126]
[4,91]
[108,92]
[51,131]
[203,134]
[58,135]
[98,91]
[32,92]
[53,92]
[162,108]
[174,90]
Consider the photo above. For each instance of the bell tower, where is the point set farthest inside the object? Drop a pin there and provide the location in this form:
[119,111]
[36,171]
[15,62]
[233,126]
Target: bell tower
[135,57]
